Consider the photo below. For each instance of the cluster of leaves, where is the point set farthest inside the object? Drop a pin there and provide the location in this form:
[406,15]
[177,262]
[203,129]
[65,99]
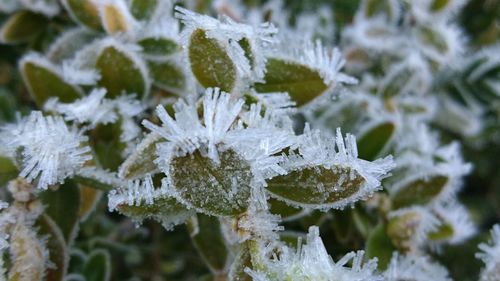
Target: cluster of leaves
[240,148]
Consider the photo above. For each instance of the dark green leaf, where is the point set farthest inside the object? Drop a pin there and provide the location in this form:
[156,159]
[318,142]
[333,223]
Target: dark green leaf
[22,27]
[85,12]
[302,83]
[122,72]
[158,47]
[419,191]
[374,140]
[167,76]
[43,83]
[210,62]
[316,187]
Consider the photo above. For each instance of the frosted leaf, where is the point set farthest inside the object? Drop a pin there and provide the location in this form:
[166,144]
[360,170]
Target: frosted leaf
[161,24]
[230,35]
[454,218]
[432,11]
[51,151]
[327,62]
[413,267]
[490,255]
[312,262]
[231,157]
[140,199]
[4,244]
[326,173]
[100,176]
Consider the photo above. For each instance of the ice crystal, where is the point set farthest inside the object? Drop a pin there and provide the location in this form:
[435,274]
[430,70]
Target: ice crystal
[51,151]
[312,262]
[490,255]
[414,267]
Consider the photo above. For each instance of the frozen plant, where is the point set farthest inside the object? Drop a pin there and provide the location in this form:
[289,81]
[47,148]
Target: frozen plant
[254,126]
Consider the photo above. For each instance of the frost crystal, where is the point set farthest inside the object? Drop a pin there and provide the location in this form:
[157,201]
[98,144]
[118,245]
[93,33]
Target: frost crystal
[51,151]
[490,255]
[412,267]
[312,262]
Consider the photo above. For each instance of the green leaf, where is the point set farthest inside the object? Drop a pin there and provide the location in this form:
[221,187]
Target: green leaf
[43,82]
[302,83]
[208,240]
[221,190]
[210,62]
[58,254]
[143,9]
[122,72]
[158,47]
[316,187]
[8,170]
[166,210]
[63,206]
[419,191]
[141,161]
[167,76]
[379,245]
[22,26]
[375,139]
[85,12]
[98,266]
[395,83]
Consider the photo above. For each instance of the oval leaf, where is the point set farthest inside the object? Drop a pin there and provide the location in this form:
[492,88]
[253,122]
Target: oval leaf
[374,140]
[89,197]
[299,81]
[221,190]
[419,191]
[44,82]
[22,27]
[316,187]
[208,240]
[85,12]
[210,62]
[122,72]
